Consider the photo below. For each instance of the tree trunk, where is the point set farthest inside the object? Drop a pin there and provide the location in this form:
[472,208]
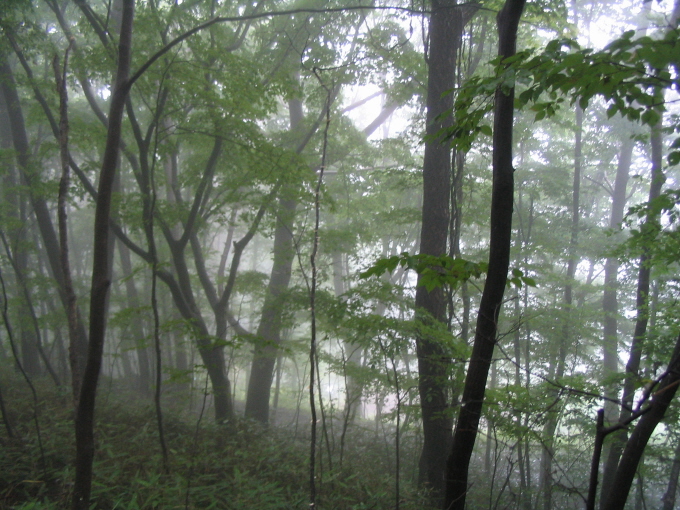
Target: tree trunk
[668,499]
[136,326]
[636,444]
[269,330]
[547,482]
[444,40]
[611,270]
[499,260]
[613,463]
[100,271]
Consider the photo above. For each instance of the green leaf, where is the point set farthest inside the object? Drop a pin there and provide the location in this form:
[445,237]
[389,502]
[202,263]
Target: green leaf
[485,130]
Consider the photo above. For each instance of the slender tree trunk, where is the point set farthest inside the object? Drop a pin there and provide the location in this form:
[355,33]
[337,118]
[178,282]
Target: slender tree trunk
[668,499]
[614,463]
[547,482]
[499,260]
[136,326]
[611,269]
[100,271]
[352,352]
[636,444]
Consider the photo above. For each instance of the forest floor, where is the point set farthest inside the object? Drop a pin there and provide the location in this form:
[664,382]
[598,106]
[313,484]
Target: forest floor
[237,466]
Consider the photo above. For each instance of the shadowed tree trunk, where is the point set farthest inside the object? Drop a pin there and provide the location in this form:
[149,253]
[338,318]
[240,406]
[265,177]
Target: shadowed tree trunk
[625,453]
[269,330]
[499,260]
[446,26]
[635,446]
[84,423]
[613,462]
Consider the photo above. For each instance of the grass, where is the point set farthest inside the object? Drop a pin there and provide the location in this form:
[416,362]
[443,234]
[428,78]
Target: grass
[238,466]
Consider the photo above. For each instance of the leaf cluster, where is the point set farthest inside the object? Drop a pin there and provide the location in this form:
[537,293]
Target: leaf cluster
[434,271]
[630,74]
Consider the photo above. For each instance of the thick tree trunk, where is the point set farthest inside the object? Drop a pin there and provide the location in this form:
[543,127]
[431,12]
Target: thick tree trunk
[269,330]
[444,38]
[499,259]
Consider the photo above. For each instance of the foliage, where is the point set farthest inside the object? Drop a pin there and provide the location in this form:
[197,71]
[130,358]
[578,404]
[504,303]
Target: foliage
[630,74]
[241,466]
[660,238]
[434,271]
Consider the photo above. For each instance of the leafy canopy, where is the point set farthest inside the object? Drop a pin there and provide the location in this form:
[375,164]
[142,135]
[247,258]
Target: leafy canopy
[631,74]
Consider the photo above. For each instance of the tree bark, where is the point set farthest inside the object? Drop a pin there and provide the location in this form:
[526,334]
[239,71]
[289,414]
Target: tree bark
[499,259]
[100,271]
[614,462]
[668,499]
[611,268]
[444,40]
[636,444]
[269,330]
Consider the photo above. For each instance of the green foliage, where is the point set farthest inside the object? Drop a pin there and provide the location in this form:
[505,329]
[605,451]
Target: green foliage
[434,271]
[630,74]
[441,271]
[240,466]
[659,238]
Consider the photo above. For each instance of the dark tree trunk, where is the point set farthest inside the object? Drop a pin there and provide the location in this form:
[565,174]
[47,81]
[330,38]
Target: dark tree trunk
[614,463]
[636,444]
[499,259]
[444,40]
[269,330]
[100,271]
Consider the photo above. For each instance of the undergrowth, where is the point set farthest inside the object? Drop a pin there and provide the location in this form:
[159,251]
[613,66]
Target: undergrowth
[237,466]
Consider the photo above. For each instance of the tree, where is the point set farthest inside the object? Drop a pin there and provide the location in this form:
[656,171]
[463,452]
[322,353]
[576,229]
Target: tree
[499,259]
[445,32]
[84,423]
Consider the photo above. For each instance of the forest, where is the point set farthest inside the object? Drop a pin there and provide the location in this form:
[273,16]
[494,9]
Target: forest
[343,254]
